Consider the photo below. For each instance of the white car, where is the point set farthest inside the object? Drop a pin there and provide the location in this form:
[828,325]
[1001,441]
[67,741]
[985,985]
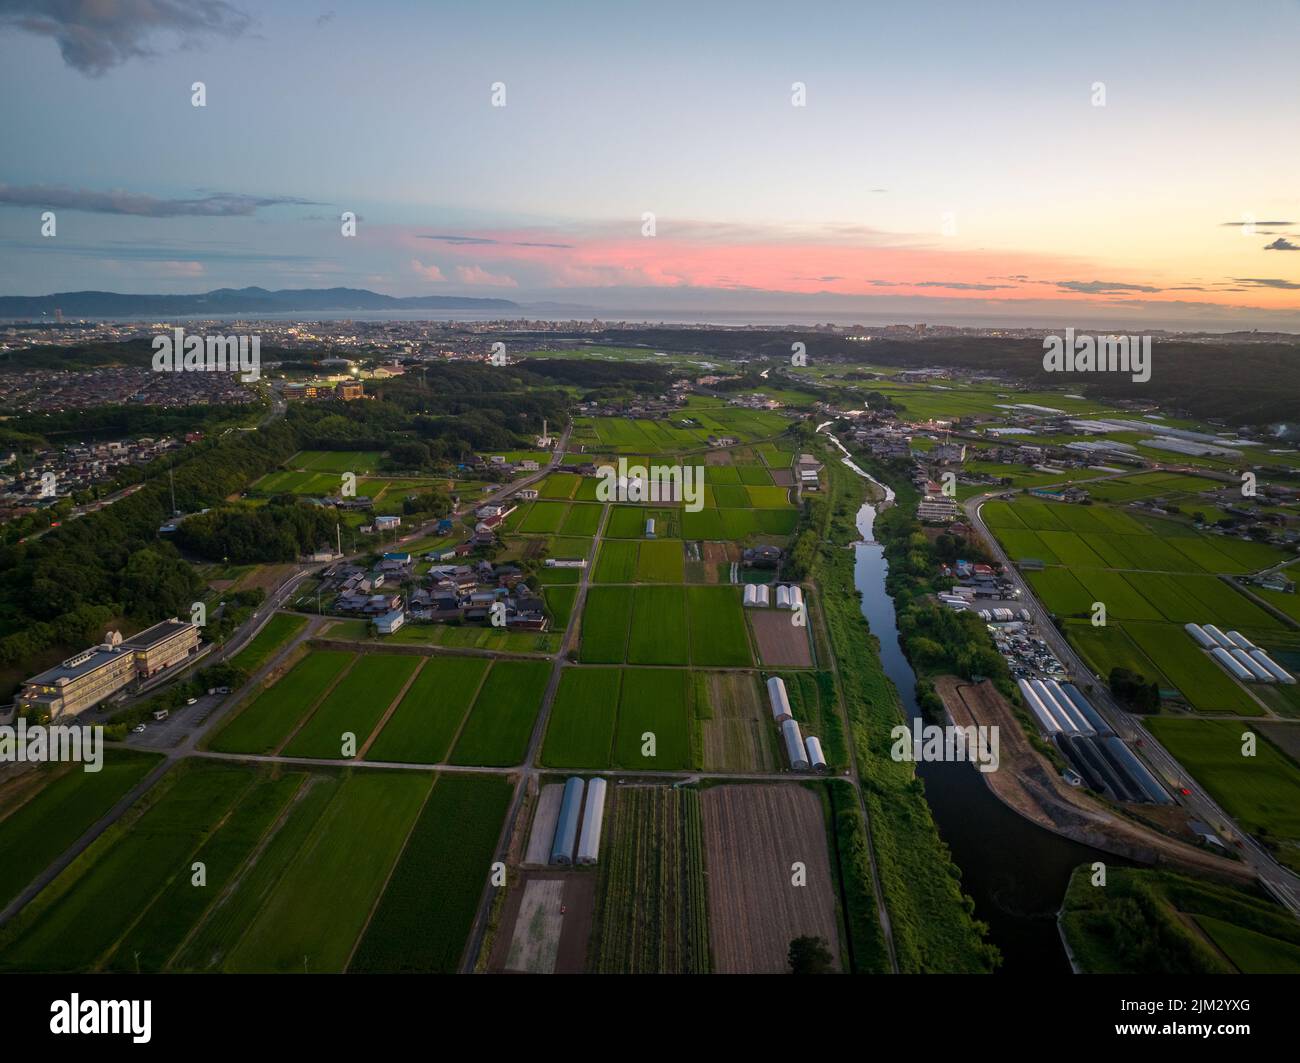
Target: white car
[138,729]
[191,701]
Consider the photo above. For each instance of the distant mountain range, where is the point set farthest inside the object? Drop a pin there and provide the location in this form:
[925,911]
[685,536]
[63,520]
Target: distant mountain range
[225,301]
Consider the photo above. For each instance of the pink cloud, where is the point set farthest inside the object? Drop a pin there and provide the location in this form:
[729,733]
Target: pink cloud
[840,259]
[478,275]
[429,273]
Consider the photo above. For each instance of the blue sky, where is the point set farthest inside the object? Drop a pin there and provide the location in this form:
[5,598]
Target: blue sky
[942,144]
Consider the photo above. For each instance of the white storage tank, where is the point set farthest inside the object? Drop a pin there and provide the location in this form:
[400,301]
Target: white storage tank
[1233,666]
[780,701]
[593,817]
[794,745]
[763,599]
[1198,633]
[796,597]
[751,594]
[1240,641]
[783,597]
[814,749]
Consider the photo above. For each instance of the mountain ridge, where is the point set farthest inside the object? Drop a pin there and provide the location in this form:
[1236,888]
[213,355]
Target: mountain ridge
[234,301]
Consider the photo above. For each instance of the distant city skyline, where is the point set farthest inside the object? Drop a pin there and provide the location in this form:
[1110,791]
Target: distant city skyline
[948,163]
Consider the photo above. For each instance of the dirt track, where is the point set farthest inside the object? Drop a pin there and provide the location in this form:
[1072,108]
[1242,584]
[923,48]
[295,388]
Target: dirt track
[752,836]
[1031,785]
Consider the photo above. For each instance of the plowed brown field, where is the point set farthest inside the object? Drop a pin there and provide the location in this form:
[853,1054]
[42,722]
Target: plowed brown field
[752,836]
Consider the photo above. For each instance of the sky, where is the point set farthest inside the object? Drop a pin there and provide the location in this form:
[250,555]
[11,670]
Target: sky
[1046,163]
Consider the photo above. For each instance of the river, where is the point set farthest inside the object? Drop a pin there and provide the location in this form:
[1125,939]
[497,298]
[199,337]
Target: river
[1015,871]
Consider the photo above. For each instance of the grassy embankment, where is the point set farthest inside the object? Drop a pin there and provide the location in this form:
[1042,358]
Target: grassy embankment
[934,928]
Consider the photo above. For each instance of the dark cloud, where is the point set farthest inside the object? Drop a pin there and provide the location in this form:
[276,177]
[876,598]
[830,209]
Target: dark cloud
[1282,244]
[95,36]
[215,205]
[957,286]
[961,286]
[122,250]
[1102,287]
[484,241]
[1267,282]
[1240,224]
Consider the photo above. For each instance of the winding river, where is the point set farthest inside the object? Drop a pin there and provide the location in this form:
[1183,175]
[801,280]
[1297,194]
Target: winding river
[1015,870]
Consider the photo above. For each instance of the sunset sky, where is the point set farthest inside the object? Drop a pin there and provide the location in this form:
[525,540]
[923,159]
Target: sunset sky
[949,163]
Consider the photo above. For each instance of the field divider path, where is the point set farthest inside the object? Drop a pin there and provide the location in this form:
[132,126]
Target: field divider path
[250,862]
[397,859]
[50,873]
[464,719]
[253,686]
[311,710]
[182,869]
[529,770]
[388,712]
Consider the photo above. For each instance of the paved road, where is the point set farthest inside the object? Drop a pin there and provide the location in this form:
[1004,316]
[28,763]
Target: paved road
[528,772]
[1281,882]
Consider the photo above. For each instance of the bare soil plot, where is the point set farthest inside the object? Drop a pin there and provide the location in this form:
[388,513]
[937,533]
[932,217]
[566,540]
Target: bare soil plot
[580,911]
[546,924]
[536,937]
[752,837]
[718,553]
[779,641]
[717,457]
[782,477]
[544,820]
[265,577]
[736,735]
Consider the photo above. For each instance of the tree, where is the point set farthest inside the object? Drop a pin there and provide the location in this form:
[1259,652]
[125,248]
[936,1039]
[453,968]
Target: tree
[809,955]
